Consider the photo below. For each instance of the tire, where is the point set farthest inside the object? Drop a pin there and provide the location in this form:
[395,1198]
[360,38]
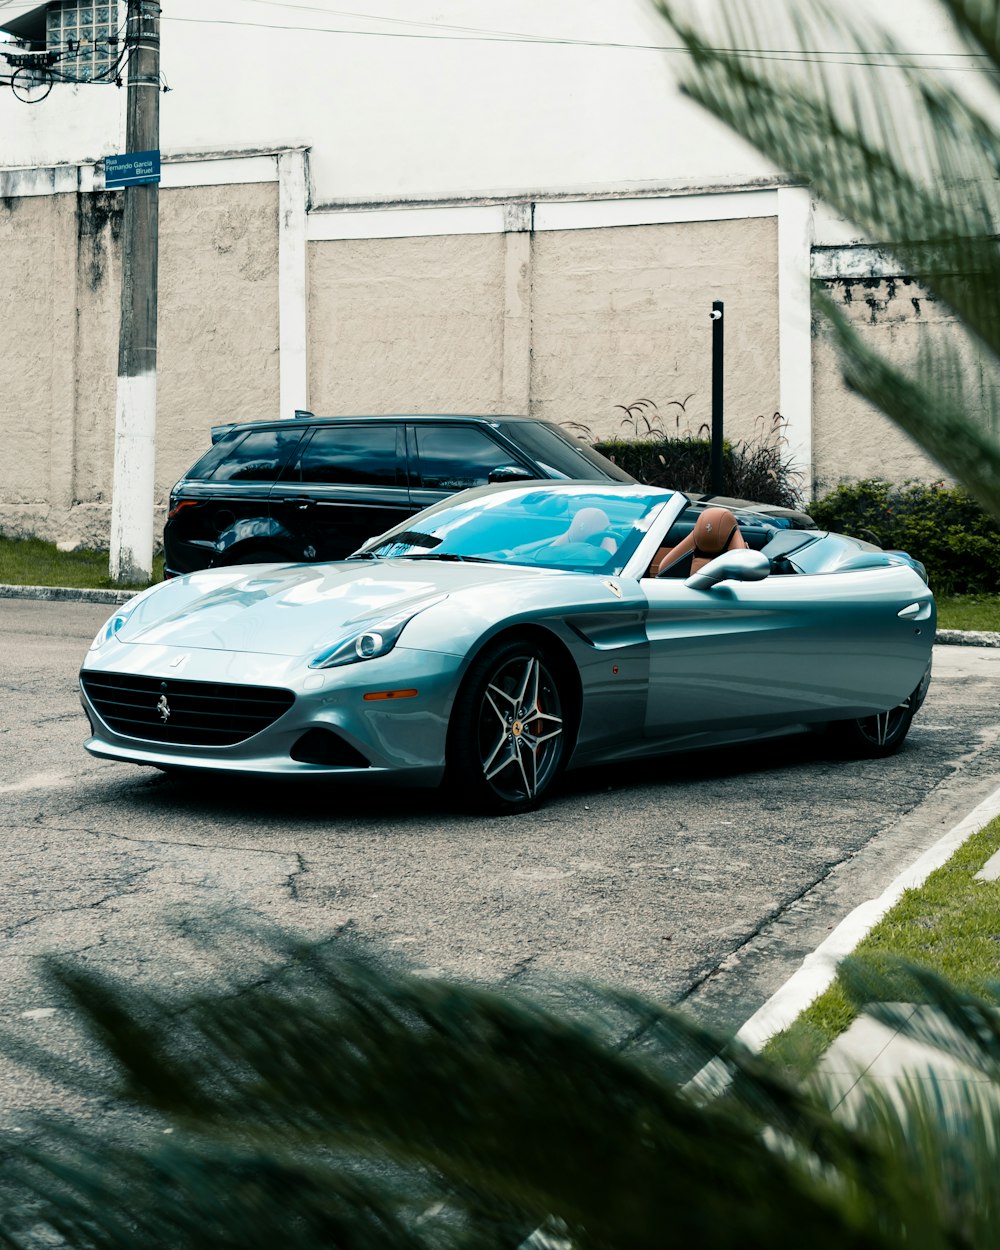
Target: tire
[876,737]
[509,733]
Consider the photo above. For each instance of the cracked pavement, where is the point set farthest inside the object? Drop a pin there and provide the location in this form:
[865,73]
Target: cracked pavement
[697,879]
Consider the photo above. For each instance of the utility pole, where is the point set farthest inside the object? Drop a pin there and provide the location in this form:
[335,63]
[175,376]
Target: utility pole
[135,410]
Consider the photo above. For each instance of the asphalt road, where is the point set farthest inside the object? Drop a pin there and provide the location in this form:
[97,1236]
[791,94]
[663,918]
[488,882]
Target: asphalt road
[700,880]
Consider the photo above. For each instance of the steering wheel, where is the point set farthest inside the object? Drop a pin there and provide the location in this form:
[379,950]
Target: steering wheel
[602,537]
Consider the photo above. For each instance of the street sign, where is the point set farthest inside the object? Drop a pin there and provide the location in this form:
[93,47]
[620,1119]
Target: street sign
[131,169]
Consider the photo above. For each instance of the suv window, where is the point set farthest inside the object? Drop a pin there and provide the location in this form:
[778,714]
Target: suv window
[351,455]
[559,453]
[455,457]
[257,457]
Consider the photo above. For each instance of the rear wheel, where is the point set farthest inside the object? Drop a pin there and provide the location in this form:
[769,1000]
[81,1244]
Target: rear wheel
[508,736]
[875,737]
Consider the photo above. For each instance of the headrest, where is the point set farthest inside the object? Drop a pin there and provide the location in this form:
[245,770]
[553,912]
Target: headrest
[713,530]
[586,522]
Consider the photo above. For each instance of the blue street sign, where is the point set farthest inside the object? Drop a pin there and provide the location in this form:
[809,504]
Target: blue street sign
[131,169]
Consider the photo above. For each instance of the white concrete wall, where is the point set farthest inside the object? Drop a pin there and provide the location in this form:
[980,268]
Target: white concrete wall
[425,100]
[622,314]
[217,352]
[561,308]
[429,99]
[406,325]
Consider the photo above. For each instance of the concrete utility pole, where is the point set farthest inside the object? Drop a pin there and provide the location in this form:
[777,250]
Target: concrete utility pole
[135,415]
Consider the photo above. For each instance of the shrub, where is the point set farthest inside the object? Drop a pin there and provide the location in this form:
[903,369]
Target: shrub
[944,527]
[756,470]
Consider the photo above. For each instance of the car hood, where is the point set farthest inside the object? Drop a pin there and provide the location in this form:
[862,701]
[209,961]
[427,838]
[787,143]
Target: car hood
[298,609]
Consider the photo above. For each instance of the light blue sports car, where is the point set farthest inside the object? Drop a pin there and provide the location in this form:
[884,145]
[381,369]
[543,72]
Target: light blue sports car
[514,631]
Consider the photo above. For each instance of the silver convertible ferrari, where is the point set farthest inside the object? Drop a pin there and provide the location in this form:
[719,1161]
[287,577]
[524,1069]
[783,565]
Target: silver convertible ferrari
[514,631]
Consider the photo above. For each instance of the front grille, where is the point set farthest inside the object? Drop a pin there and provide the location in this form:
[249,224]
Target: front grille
[189,713]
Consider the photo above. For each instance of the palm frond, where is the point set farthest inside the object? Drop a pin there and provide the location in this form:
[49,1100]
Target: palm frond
[386,1107]
[911,161]
[931,401]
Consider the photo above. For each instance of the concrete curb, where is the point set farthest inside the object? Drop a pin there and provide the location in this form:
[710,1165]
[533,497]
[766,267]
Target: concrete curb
[947,637]
[819,968]
[71,593]
[967,638]
[817,971]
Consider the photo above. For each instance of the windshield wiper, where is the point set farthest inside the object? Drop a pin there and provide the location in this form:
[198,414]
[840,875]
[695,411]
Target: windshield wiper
[448,555]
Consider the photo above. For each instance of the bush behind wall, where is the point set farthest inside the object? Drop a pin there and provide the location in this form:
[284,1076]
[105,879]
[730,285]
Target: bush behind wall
[943,527]
[757,471]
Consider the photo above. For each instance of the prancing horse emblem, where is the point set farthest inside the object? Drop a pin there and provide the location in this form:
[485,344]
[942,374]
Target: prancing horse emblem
[163,707]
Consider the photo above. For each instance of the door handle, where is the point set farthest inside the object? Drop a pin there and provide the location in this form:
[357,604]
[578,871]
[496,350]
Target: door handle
[915,612]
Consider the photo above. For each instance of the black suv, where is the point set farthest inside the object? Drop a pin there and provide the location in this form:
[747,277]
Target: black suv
[315,488]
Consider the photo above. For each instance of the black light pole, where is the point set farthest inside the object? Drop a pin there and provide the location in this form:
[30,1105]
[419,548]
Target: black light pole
[717,412]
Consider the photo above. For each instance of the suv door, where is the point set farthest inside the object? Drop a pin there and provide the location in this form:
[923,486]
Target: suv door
[347,484]
[449,458]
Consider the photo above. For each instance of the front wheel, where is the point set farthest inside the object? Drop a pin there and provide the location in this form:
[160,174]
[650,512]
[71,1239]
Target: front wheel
[508,736]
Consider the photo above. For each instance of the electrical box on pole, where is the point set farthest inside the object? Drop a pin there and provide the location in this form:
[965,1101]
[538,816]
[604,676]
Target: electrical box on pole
[135,413]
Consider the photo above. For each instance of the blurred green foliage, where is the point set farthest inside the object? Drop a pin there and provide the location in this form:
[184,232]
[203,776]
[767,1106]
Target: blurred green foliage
[908,156]
[329,1101]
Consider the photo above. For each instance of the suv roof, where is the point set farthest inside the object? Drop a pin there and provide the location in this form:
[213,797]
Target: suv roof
[311,418]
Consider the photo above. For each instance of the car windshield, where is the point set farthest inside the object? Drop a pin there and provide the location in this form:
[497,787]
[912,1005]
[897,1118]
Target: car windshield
[577,529]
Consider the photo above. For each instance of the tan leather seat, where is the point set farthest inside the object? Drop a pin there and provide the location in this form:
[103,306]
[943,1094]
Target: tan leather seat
[715,531]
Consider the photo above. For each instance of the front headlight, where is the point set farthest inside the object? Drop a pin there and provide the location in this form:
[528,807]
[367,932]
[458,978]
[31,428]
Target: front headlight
[111,626]
[371,642]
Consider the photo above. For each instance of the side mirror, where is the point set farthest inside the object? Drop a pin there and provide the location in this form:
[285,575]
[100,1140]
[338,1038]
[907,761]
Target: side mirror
[732,566]
[510,473]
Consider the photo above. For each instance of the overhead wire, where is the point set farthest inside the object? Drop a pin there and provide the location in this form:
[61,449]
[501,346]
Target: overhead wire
[858,59]
[432,31]
[524,36]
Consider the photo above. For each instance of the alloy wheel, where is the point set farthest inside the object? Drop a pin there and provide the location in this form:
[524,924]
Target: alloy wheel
[520,730]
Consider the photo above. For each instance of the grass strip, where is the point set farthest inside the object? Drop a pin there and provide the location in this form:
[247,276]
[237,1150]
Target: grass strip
[980,612]
[31,562]
[951,923]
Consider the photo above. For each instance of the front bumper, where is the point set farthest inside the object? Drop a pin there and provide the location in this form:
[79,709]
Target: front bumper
[401,740]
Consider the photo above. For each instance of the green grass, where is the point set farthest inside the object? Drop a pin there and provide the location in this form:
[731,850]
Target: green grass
[969,612]
[950,924]
[31,562]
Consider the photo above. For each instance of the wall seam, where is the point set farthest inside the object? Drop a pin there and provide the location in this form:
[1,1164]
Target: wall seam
[795,229]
